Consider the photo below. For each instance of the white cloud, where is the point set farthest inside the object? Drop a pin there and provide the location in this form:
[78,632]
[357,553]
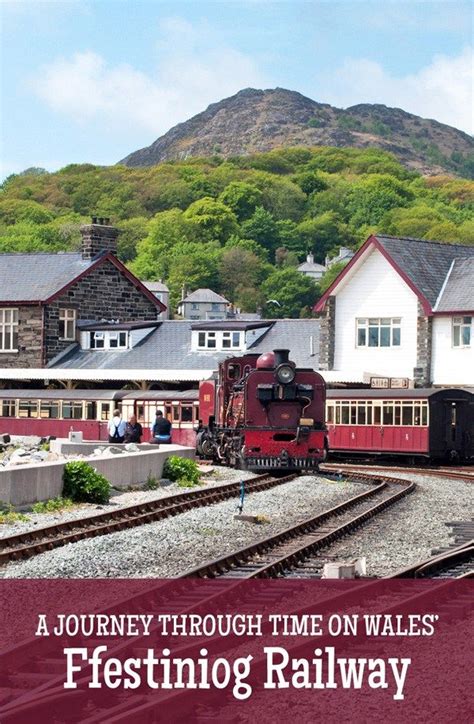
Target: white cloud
[442,90]
[194,71]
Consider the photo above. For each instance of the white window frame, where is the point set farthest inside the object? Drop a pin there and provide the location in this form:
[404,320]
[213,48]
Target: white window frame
[208,337]
[231,336]
[459,326]
[68,316]
[365,324]
[106,336]
[9,324]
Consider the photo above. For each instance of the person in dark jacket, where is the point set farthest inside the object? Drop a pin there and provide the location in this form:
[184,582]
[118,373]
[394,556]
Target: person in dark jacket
[161,430]
[133,430]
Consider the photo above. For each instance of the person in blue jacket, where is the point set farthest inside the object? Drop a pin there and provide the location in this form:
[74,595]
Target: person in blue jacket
[160,430]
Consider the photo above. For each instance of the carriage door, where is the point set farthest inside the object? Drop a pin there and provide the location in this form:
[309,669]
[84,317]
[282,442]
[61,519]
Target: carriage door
[456,425]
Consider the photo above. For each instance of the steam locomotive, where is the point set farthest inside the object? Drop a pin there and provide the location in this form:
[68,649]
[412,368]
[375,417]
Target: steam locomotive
[262,413]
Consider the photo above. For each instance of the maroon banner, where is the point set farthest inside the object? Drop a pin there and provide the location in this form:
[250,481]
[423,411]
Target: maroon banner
[275,650]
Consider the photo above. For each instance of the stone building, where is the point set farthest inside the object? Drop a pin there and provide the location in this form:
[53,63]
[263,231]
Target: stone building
[162,293]
[402,308]
[312,269]
[45,298]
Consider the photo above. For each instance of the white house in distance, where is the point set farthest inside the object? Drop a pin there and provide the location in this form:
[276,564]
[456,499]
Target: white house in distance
[402,309]
[203,304]
[162,293]
[312,269]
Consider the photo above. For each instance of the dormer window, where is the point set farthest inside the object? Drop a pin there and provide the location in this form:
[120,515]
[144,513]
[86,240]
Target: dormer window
[207,340]
[217,340]
[108,340]
[230,340]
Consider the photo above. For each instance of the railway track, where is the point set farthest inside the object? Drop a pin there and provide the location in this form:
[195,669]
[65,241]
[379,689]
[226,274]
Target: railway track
[457,562]
[293,551]
[24,545]
[465,474]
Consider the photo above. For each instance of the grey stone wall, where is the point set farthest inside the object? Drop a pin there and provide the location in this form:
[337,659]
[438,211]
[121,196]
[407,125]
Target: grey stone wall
[30,325]
[424,334]
[104,293]
[327,335]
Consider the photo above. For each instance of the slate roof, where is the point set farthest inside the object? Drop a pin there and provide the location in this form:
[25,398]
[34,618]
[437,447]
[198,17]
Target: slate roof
[458,294]
[205,295]
[311,266]
[169,347]
[156,286]
[36,277]
[295,335]
[426,263]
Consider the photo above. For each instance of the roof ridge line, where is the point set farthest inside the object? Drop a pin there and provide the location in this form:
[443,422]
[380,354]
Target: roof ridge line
[443,286]
[423,241]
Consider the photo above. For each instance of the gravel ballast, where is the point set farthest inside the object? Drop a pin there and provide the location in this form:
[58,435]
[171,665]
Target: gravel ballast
[169,547]
[402,535]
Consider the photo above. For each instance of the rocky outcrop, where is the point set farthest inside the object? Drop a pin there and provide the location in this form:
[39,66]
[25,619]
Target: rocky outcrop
[259,120]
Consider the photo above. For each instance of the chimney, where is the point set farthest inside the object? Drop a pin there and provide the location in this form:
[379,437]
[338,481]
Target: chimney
[98,237]
[310,258]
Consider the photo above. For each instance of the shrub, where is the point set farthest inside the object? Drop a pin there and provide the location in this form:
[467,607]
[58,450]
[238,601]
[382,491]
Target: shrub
[182,470]
[49,506]
[84,484]
[151,483]
[8,515]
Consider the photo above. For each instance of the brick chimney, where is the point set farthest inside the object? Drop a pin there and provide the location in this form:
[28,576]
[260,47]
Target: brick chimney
[98,237]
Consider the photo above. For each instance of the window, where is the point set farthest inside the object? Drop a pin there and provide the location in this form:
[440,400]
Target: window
[117,340]
[379,332]
[91,410]
[230,340]
[388,412]
[8,408]
[109,340]
[194,305]
[186,413]
[8,330]
[67,324]
[28,408]
[105,411]
[49,410]
[215,306]
[72,410]
[207,340]
[462,331]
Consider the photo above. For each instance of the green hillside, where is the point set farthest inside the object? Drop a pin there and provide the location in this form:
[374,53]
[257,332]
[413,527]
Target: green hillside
[240,225]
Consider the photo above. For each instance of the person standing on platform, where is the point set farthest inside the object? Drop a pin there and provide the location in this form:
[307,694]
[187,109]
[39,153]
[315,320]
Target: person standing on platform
[160,430]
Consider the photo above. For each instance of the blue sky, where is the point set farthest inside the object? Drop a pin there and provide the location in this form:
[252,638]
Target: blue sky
[93,80]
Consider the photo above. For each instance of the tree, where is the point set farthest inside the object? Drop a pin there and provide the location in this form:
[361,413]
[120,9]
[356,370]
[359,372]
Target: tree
[211,220]
[262,228]
[132,231]
[166,230]
[310,182]
[239,267]
[374,195]
[243,198]
[248,244]
[292,290]
[194,265]
[323,233]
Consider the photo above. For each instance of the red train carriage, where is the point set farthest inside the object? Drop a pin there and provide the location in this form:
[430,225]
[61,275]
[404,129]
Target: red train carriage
[56,412]
[437,424]
[263,413]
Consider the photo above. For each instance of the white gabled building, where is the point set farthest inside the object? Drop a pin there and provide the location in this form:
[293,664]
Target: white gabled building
[401,308]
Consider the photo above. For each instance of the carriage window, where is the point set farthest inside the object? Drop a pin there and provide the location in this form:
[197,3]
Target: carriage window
[377,414]
[397,413]
[387,414]
[338,414]
[378,332]
[330,414]
[424,413]
[9,408]
[186,413]
[91,410]
[353,414]
[361,414]
[175,413]
[462,331]
[416,413]
[140,412]
[345,413]
[168,413]
[105,411]
[28,408]
[49,410]
[72,410]
[407,413]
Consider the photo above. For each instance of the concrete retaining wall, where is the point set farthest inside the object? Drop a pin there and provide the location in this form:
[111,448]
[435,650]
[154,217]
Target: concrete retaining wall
[23,485]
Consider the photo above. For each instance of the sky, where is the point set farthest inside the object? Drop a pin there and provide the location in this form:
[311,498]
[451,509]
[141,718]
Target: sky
[90,81]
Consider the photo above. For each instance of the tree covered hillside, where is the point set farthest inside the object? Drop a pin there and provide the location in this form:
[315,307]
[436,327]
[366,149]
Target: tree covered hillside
[239,226]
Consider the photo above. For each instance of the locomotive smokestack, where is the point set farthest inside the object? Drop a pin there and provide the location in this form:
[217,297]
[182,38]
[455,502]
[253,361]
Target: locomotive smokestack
[281,356]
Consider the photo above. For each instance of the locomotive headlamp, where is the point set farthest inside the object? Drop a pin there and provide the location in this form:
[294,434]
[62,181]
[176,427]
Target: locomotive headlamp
[285,374]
